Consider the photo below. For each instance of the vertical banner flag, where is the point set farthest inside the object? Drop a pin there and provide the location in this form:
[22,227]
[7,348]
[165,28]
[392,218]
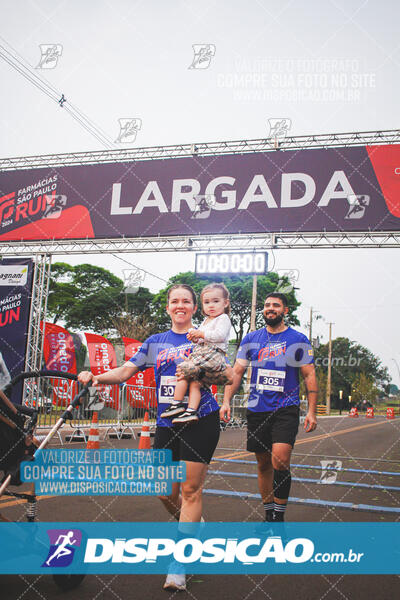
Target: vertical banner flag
[102,358]
[59,355]
[15,301]
[144,379]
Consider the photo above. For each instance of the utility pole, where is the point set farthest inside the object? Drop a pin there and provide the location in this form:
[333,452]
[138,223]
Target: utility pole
[253,305]
[310,328]
[398,368]
[252,327]
[328,383]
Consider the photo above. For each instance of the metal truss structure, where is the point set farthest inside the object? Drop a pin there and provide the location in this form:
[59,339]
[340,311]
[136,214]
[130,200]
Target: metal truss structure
[40,290]
[206,243]
[43,250]
[279,144]
[281,240]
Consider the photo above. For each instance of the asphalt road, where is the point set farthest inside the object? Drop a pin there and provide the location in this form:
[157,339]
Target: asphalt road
[365,445]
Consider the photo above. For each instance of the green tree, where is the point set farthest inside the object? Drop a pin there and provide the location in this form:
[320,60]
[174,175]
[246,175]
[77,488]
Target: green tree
[349,360]
[138,326]
[321,383]
[240,291]
[364,389]
[90,297]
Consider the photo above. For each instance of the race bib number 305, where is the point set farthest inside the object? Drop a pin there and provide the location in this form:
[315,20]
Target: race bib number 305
[271,380]
[167,389]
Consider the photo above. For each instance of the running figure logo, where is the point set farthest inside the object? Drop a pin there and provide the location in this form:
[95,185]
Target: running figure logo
[133,279]
[54,206]
[287,280]
[358,205]
[128,129]
[330,470]
[203,205]
[279,128]
[50,54]
[61,552]
[203,53]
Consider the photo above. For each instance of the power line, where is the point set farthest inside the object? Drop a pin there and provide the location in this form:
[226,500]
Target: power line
[136,267]
[55,95]
[43,80]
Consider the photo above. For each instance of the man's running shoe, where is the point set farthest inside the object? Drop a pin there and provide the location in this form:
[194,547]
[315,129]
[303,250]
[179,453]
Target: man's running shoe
[176,578]
[173,410]
[189,416]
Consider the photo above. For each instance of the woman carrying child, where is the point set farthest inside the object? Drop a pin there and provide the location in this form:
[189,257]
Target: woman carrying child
[207,363]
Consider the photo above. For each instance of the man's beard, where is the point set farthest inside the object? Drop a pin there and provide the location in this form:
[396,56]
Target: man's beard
[273,321]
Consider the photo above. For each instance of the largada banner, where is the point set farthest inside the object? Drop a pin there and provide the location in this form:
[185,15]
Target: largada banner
[15,300]
[316,189]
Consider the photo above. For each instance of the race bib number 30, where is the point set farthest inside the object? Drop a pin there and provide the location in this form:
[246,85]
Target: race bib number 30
[167,389]
[271,380]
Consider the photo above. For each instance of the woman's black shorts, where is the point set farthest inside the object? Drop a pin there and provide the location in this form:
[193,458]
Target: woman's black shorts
[195,442]
[267,428]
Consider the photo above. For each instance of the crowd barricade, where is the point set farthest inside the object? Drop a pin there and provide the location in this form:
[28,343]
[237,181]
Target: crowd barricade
[109,416]
[238,412]
[139,399]
[123,407]
[49,396]
[134,401]
[303,410]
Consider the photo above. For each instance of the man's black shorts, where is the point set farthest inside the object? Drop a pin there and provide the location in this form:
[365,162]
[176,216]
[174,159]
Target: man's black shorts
[195,442]
[267,428]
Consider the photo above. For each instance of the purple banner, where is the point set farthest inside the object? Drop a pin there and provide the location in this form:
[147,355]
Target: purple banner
[333,189]
[15,300]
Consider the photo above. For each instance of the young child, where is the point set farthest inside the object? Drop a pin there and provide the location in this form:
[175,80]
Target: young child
[207,364]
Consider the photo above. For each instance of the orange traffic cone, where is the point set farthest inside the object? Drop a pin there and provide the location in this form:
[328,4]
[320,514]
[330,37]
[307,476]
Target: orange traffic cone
[353,412]
[390,413]
[370,413]
[94,437]
[144,442]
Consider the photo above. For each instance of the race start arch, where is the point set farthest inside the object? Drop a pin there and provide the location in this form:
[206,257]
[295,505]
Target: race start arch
[322,191]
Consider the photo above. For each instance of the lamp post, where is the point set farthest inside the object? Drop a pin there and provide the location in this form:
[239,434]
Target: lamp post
[328,383]
[398,369]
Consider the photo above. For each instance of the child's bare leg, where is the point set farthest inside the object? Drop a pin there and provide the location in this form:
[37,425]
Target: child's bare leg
[229,375]
[194,395]
[180,390]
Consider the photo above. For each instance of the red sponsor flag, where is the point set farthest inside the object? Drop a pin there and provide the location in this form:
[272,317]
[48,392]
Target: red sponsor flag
[59,355]
[58,349]
[102,358]
[144,379]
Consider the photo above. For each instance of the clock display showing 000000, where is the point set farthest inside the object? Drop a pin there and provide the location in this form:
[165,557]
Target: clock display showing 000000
[243,262]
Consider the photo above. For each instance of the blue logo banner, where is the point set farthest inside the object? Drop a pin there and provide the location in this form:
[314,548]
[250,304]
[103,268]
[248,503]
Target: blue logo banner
[219,548]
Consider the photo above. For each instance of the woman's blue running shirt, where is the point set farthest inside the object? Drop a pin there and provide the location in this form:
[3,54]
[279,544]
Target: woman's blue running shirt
[165,351]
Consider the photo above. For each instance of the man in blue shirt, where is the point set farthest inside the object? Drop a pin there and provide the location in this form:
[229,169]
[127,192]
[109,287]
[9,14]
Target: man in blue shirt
[277,354]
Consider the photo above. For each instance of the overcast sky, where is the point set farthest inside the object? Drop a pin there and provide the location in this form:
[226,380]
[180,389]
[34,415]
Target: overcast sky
[273,59]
